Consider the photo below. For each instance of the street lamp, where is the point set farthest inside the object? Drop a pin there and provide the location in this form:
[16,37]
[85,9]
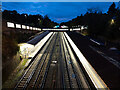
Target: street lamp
[26,18]
[112,21]
[38,19]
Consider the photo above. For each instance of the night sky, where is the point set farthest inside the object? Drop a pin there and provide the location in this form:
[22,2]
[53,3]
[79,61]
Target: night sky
[56,11]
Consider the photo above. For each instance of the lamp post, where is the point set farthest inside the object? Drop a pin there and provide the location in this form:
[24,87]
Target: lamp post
[112,21]
[26,18]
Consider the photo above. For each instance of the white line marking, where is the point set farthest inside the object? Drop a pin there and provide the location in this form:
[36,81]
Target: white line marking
[95,41]
[95,78]
[113,61]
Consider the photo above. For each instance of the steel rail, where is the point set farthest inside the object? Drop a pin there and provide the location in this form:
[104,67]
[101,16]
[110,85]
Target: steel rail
[38,69]
[26,78]
[95,78]
[41,85]
[79,75]
[71,73]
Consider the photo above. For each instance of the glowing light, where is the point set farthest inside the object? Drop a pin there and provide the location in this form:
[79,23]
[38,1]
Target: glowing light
[55,29]
[39,29]
[18,26]
[76,29]
[95,78]
[112,21]
[30,28]
[39,45]
[25,49]
[64,26]
[23,27]
[27,27]
[71,29]
[85,27]
[9,24]
[82,27]
[34,28]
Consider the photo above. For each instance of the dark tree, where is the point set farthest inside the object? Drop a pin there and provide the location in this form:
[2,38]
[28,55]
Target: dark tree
[112,10]
[31,20]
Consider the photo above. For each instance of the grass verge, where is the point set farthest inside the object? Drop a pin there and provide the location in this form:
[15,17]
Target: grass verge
[15,75]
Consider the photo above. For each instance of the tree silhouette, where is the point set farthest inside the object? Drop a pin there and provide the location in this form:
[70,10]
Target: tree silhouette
[112,10]
[32,20]
[99,23]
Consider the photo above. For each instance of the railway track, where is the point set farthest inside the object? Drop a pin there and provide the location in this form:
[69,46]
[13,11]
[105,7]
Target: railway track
[68,66]
[73,74]
[41,82]
[77,76]
[63,70]
[54,77]
[39,77]
[54,67]
[32,71]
